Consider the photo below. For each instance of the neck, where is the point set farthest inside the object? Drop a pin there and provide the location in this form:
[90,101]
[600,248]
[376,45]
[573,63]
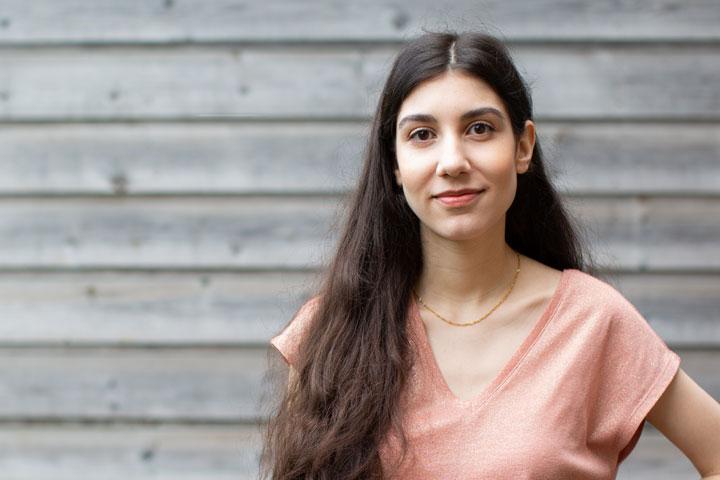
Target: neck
[467,272]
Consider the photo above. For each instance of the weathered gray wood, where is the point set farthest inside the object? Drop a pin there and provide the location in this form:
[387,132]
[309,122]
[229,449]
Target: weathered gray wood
[218,158]
[181,232]
[180,158]
[578,82]
[246,309]
[633,158]
[626,82]
[122,452]
[373,20]
[647,233]
[164,309]
[669,302]
[201,385]
[175,385]
[298,232]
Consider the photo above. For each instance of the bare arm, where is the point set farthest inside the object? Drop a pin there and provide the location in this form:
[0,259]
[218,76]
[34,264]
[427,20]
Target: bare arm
[690,418]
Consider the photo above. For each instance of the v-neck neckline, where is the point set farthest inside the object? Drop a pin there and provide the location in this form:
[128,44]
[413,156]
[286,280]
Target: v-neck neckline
[504,374]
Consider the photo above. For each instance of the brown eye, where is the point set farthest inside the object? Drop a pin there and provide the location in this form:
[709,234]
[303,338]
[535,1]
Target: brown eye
[422,134]
[480,128]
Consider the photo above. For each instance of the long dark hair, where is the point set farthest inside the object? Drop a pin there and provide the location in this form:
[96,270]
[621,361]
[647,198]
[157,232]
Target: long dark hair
[355,358]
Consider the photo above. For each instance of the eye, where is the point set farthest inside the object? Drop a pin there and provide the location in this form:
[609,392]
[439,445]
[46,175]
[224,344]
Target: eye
[422,134]
[481,128]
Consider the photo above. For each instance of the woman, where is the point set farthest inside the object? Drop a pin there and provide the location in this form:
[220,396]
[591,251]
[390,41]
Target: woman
[459,331]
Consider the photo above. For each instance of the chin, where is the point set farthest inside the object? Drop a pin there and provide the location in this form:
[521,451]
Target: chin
[463,237]
[459,232]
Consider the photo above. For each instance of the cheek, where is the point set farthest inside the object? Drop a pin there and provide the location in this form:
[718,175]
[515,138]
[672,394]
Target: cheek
[494,158]
[413,169]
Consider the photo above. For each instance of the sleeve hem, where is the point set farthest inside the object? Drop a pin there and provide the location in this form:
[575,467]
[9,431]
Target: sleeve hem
[286,342]
[672,363]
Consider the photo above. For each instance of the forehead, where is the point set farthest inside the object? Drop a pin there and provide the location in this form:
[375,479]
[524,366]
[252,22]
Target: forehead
[452,92]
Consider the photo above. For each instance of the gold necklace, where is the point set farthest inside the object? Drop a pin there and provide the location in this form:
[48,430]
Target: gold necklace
[484,316]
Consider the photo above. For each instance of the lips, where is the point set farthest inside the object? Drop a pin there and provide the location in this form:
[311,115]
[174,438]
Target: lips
[457,193]
[458,198]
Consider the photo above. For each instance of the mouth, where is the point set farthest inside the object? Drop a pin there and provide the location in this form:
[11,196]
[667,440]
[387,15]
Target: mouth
[462,198]
[458,193]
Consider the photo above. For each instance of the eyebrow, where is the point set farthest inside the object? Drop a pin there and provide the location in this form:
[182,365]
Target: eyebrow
[477,112]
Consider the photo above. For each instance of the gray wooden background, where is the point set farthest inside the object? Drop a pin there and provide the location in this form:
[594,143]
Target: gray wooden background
[170,170]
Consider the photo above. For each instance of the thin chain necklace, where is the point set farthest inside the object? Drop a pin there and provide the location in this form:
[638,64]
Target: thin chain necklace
[517,271]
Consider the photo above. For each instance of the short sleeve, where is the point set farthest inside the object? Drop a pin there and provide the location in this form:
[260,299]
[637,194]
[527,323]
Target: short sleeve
[638,367]
[286,342]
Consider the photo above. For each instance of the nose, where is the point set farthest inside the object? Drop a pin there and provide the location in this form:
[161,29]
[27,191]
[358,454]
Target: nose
[453,160]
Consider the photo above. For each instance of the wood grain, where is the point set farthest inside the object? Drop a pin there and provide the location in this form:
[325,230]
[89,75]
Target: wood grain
[106,21]
[579,82]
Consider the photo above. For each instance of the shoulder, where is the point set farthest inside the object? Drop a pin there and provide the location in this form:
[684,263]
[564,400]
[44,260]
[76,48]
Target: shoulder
[599,305]
[579,291]
[603,292]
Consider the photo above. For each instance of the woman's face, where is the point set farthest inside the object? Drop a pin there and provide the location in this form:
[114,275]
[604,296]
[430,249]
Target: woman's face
[453,133]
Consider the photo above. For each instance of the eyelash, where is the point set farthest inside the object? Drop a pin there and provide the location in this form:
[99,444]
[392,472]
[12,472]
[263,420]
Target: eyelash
[423,129]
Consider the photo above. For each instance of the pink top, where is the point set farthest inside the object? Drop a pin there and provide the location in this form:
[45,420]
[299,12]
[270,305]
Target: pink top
[570,402]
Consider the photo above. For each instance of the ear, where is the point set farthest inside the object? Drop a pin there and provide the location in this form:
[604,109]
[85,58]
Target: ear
[525,146]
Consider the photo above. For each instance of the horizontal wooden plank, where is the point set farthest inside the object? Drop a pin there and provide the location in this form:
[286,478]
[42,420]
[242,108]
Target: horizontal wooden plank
[374,20]
[246,309]
[281,157]
[298,232]
[649,233]
[177,452]
[633,158]
[180,232]
[569,82]
[176,385]
[120,309]
[200,385]
[205,158]
[120,452]
[684,309]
